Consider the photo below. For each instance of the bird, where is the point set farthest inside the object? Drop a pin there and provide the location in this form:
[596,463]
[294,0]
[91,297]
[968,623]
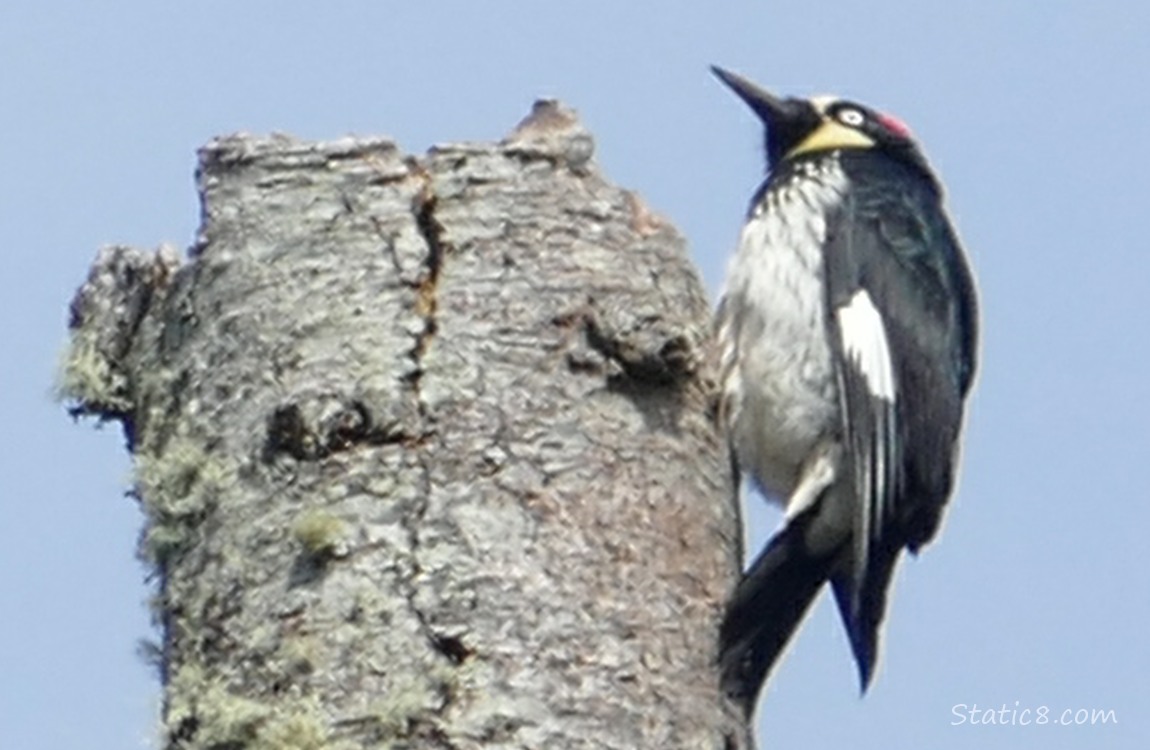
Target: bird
[847,343]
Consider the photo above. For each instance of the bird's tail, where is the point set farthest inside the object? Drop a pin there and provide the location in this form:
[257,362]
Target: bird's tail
[862,603]
[775,594]
[767,607]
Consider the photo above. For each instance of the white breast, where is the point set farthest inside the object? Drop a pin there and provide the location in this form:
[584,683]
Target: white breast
[778,381]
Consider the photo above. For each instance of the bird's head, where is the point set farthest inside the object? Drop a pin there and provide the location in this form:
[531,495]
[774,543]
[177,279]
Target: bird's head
[795,127]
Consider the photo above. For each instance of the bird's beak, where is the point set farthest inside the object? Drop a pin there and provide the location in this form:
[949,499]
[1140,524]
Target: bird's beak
[773,111]
[793,126]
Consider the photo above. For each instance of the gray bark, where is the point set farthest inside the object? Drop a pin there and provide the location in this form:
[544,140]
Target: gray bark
[426,451]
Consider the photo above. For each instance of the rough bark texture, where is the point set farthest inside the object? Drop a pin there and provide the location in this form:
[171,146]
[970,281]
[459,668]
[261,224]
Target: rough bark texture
[425,449]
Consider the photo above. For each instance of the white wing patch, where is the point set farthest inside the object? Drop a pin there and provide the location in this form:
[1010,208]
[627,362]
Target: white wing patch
[865,344]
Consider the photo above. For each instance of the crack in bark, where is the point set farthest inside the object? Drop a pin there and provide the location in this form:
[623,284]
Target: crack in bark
[450,647]
[432,232]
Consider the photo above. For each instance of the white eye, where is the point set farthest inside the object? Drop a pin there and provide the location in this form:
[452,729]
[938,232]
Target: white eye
[851,117]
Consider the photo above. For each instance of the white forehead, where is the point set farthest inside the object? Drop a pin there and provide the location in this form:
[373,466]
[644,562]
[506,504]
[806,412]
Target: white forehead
[823,102]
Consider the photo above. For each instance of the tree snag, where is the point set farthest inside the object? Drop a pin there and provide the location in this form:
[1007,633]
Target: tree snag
[425,449]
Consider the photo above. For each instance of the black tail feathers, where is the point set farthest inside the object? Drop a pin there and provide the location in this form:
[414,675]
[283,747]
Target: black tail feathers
[862,605]
[775,594]
[767,607]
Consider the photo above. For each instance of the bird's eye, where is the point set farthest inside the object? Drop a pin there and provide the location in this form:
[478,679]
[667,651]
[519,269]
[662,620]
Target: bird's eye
[851,117]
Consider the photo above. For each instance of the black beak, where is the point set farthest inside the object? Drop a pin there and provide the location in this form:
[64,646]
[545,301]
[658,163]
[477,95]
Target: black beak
[787,120]
[771,109]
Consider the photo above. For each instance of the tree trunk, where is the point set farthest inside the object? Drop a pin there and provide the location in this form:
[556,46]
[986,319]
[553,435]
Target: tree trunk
[426,451]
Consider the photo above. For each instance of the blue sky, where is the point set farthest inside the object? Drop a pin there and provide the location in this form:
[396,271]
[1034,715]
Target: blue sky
[1036,115]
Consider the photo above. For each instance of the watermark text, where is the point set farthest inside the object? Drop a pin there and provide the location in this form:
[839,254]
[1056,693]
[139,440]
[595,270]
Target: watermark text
[1019,715]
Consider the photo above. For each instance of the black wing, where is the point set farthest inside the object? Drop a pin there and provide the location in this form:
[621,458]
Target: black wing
[902,317]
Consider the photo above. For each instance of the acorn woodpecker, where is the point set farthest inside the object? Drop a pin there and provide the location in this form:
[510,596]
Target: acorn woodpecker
[847,333]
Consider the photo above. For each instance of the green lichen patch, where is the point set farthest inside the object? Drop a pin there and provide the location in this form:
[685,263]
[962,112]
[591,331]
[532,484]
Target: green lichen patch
[202,713]
[87,379]
[319,532]
[205,715]
[177,489]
